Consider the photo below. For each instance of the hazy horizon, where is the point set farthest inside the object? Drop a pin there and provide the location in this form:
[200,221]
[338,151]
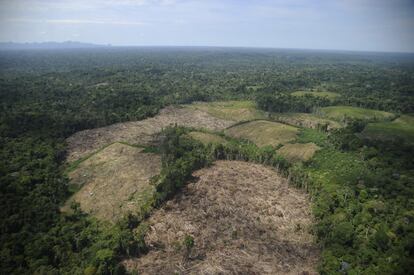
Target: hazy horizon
[343,25]
[97,46]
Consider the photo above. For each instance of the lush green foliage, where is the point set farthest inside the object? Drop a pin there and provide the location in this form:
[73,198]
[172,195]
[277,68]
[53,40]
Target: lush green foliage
[47,95]
[280,103]
[328,95]
[180,157]
[398,130]
[362,199]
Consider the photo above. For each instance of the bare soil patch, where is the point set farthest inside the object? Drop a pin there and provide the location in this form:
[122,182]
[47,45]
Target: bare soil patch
[244,219]
[140,132]
[114,181]
[298,151]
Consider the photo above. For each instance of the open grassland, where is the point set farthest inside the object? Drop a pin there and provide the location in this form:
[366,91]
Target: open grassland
[230,110]
[142,132]
[329,95]
[306,120]
[402,127]
[114,181]
[262,132]
[227,223]
[298,151]
[207,138]
[342,113]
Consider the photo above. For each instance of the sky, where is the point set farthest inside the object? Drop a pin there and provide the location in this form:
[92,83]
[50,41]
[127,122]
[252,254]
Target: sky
[367,25]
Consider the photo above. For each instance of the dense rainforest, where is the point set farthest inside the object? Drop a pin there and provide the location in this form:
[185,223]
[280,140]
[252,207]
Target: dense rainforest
[47,95]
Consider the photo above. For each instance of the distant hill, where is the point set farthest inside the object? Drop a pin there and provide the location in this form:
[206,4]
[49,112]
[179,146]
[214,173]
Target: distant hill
[49,45]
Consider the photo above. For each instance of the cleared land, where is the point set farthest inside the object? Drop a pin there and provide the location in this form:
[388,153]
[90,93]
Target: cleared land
[341,113]
[207,138]
[114,181]
[328,95]
[262,132]
[298,151]
[402,127]
[230,110]
[238,226]
[141,132]
[306,120]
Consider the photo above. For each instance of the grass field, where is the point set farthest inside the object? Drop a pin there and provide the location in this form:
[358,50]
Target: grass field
[235,224]
[402,127]
[230,110]
[328,95]
[114,181]
[306,120]
[207,138]
[262,132]
[298,151]
[341,113]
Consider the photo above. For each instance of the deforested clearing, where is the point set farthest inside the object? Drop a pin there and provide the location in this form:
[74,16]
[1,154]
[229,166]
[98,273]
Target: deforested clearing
[306,120]
[298,151]
[262,132]
[207,138]
[237,218]
[230,110]
[342,113]
[114,181]
[140,132]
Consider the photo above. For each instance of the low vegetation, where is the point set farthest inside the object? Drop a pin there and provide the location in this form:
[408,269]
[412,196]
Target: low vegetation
[298,151]
[263,133]
[143,132]
[207,138]
[346,113]
[114,182]
[306,120]
[401,128]
[230,110]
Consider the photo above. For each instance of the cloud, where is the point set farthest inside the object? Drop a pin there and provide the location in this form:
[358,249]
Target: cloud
[139,2]
[75,21]
[351,24]
[83,5]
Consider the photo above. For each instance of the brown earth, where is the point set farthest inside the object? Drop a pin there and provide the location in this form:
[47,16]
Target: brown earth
[244,219]
[114,181]
[141,132]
